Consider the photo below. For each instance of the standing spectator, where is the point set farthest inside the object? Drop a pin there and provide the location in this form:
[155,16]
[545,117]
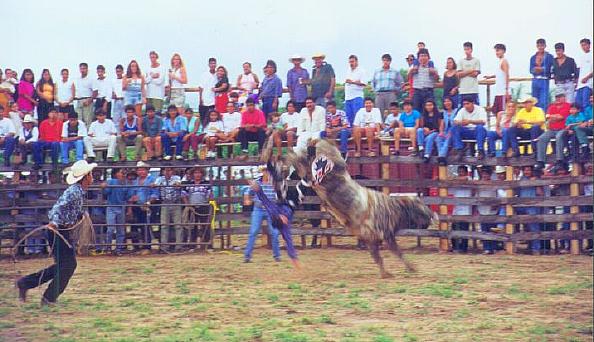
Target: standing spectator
[451,82]
[152,126]
[116,196]
[208,80]
[16,116]
[312,122]
[253,127]
[501,80]
[45,91]
[173,132]
[133,84]
[101,133]
[198,193]
[7,136]
[247,81]
[410,62]
[28,136]
[6,92]
[322,80]
[231,123]
[130,134]
[155,82]
[565,72]
[142,196]
[337,126]
[470,124]
[195,133]
[102,91]
[50,135]
[353,88]
[271,89]
[424,77]
[504,122]
[117,103]
[64,93]
[26,92]
[221,89]
[485,193]
[73,133]
[178,78]
[428,128]
[408,123]
[297,79]
[530,192]
[556,115]
[368,121]
[584,80]
[171,212]
[541,64]
[83,93]
[461,245]
[529,124]
[386,83]
[584,129]
[469,68]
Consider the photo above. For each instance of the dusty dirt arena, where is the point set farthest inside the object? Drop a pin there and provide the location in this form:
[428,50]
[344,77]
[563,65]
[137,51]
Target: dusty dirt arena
[338,296]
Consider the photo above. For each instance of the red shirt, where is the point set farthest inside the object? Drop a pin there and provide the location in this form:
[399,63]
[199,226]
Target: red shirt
[49,132]
[253,118]
[558,108]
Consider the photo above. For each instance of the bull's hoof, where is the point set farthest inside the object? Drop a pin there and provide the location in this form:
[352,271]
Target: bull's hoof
[386,275]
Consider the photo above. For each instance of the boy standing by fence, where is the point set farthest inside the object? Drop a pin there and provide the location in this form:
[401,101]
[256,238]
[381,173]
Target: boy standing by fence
[461,245]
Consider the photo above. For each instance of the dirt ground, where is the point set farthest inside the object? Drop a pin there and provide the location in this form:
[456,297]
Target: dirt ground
[338,296]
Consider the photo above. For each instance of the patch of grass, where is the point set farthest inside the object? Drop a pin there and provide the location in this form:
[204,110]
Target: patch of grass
[382,338]
[542,330]
[6,325]
[325,319]
[148,270]
[462,313]
[294,286]
[340,285]
[106,325]
[144,332]
[182,287]
[288,336]
[460,280]
[399,289]
[440,290]
[516,292]
[408,337]
[272,298]
[569,289]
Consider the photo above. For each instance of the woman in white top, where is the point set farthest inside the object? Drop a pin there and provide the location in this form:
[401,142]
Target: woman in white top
[247,81]
[64,93]
[155,82]
[134,87]
[177,80]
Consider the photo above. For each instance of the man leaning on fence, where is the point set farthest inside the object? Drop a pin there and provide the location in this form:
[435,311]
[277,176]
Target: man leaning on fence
[171,211]
[142,194]
[197,193]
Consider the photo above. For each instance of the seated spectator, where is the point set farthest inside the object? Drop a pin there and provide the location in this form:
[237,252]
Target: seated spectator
[470,124]
[171,212]
[289,120]
[461,245]
[101,133]
[445,130]
[408,123]
[7,136]
[391,122]
[428,128]
[50,135]
[195,133]
[142,195]
[173,132]
[503,123]
[253,127]
[231,123]
[17,117]
[583,130]
[28,136]
[116,196]
[275,124]
[130,133]
[368,121]
[529,124]
[337,126]
[73,133]
[485,173]
[198,193]
[529,192]
[556,116]
[587,190]
[152,126]
[215,131]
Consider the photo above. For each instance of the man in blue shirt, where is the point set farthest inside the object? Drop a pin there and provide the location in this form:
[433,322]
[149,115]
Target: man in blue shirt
[117,196]
[174,129]
[540,68]
[271,89]
[141,195]
[297,82]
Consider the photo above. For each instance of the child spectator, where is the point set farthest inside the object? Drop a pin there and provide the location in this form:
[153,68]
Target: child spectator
[503,123]
[28,136]
[231,123]
[152,126]
[195,133]
[337,126]
[214,131]
[408,123]
[391,120]
[275,124]
[429,128]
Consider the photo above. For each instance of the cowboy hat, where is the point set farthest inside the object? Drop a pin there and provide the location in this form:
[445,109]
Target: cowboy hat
[28,119]
[142,164]
[532,99]
[318,55]
[79,170]
[499,169]
[297,56]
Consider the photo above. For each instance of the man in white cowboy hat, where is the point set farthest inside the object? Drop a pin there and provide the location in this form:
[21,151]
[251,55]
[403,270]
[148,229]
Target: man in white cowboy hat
[67,212]
[297,79]
[27,137]
[323,80]
[528,124]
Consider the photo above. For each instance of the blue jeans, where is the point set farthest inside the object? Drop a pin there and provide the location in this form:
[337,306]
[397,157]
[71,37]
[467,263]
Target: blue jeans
[540,90]
[42,145]
[115,215]
[535,245]
[492,137]
[428,141]
[267,105]
[344,136]
[258,215]
[67,146]
[351,107]
[582,96]
[443,144]
[420,96]
[9,145]
[460,132]
[533,133]
[167,142]
[488,245]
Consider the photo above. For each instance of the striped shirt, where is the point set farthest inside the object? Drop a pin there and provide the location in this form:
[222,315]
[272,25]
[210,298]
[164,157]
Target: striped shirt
[422,79]
[386,80]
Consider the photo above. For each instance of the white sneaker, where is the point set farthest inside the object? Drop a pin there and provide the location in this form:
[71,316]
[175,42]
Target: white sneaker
[410,148]
[421,148]
[167,158]
[179,158]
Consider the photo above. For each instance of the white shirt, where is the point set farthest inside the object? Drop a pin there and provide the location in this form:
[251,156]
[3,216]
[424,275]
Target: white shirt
[116,87]
[460,193]
[363,118]
[499,79]
[82,128]
[213,127]
[104,88]
[207,82]
[34,134]
[352,91]
[231,121]
[155,87]
[64,90]
[314,124]
[478,113]
[83,87]
[469,84]
[584,63]
[291,120]
[101,130]
[16,121]
[6,127]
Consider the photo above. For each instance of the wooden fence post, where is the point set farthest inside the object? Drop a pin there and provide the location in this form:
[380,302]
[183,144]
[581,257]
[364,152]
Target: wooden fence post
[510,247]
[385,152]
[443,208]
[574,191]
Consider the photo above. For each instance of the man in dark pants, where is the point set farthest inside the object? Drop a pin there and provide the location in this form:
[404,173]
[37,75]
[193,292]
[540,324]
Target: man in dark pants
[461,245]
[253,127]
[67,212]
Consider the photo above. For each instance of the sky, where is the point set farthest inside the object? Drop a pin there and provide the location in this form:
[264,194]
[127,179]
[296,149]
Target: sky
[63,33]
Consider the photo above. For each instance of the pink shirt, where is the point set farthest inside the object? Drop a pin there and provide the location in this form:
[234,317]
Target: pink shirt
[24,104]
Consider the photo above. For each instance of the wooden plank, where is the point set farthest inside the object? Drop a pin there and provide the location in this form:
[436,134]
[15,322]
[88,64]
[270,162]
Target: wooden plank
[443,209]
[574,190]
[519,219]
[509,210]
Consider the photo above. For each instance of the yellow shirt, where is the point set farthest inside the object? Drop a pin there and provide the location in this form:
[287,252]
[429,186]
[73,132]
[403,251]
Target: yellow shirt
[535,115]
[48,92]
